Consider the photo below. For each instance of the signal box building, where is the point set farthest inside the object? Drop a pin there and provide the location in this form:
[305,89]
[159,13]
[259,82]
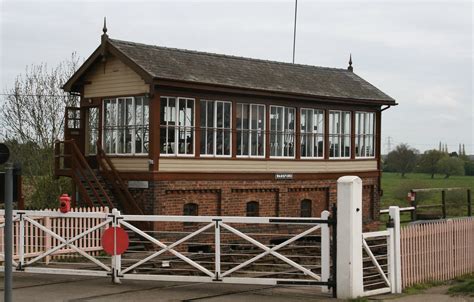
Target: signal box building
[195,133]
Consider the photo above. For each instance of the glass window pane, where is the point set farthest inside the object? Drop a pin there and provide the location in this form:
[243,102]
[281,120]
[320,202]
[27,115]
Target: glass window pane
[227,115]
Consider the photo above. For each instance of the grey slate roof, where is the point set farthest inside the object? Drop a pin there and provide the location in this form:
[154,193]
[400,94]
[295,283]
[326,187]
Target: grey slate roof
[210,68]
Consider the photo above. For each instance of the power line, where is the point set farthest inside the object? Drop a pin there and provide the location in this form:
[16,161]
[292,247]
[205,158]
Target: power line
[36,95]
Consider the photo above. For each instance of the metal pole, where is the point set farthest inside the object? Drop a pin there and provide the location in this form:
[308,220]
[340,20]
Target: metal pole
[8,231]
[294,30]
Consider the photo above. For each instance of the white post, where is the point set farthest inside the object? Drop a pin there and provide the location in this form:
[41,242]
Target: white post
[325,251]
[217,250]
[116,259]
[349,238]
[394,213]
[21,244]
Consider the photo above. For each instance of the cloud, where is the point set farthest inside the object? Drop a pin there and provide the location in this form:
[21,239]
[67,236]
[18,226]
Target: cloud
[439,96]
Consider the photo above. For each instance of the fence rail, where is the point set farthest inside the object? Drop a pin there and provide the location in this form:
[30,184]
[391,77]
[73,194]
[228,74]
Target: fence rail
[437,251]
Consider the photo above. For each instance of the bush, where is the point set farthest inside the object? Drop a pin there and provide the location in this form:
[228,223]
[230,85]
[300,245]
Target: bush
[46,192]
[469,167]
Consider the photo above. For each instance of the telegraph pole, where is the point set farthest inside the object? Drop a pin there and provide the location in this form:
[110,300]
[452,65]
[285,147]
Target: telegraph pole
[294,30]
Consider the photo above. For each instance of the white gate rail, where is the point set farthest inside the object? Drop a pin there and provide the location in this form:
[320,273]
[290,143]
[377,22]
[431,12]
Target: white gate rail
[228,236]
[70,239]
[217,230]
[387,247]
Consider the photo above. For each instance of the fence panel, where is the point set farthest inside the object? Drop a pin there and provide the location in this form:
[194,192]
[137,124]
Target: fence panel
[437,251]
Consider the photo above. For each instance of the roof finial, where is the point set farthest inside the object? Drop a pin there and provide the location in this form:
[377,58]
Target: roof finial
[350,68]
[104,30]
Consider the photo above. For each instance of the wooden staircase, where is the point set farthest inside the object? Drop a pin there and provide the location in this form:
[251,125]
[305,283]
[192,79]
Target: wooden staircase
[100,187]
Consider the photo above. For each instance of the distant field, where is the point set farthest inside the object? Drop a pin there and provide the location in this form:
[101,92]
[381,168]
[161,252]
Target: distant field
[395,189]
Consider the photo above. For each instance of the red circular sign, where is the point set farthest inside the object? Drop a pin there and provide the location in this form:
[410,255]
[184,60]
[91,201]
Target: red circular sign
[121,241]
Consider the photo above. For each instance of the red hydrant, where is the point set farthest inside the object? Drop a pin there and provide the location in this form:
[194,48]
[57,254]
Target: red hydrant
[64,203]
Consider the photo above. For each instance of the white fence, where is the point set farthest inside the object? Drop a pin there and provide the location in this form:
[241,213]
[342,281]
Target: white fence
[437,251]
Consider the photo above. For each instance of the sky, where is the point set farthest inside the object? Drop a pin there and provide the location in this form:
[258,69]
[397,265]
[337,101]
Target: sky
[418,52]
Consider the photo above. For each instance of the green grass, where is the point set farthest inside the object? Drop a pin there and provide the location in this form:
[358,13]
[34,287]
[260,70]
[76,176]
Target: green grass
[463,286]
[419,288]
[395,189]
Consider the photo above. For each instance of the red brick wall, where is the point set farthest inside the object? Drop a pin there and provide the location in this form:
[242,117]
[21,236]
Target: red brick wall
[276,198]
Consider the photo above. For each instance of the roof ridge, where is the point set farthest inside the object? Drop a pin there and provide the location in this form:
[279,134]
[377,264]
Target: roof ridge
[228,56]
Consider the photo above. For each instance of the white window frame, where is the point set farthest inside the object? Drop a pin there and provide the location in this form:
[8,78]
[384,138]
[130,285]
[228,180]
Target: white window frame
[364,135]
[134,125]
[282,132]
[91,146]
[214,127]
[177,127]
[251,131]
[313,133]
[340,133]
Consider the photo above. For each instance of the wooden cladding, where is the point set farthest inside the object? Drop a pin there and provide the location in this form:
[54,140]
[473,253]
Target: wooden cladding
[269,166]
[113,78]
[130,163]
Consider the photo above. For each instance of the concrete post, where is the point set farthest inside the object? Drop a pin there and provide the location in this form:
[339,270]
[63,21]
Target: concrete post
[349,238]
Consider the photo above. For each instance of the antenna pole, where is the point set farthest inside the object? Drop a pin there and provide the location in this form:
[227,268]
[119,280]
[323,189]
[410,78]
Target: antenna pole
[294,30]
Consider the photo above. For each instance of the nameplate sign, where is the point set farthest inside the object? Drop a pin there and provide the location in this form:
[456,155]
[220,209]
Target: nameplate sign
[283,176]
[138,184]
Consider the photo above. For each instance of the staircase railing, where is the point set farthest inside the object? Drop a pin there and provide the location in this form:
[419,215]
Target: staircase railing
[108,170]
[69,161]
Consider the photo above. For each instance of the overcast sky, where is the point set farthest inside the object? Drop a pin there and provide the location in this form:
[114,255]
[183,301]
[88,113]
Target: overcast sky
[420,53]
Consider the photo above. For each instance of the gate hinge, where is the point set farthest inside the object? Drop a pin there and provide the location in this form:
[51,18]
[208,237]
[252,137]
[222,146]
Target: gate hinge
[390,223]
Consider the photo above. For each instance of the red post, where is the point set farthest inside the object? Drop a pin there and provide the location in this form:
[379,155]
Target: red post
[64,203]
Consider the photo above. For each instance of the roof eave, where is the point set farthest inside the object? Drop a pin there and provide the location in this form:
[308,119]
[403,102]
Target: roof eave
[245,90]
[70,84]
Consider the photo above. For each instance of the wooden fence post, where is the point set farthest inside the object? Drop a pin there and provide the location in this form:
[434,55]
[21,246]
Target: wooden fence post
[443,202]
[47,239]
[469,203]
[325,250]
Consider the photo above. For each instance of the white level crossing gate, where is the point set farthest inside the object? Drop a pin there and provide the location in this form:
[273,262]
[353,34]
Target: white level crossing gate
[251,250]
[224,249]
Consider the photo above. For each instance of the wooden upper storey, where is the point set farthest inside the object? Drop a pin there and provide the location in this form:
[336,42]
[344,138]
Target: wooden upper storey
[179,125]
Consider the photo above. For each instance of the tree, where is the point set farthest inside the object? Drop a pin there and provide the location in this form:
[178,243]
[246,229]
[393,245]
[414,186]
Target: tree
[33,109]
[451,166]
[402,159]
[428,162]
[32,118]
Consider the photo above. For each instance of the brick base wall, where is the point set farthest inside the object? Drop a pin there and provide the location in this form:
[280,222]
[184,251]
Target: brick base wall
[230,197]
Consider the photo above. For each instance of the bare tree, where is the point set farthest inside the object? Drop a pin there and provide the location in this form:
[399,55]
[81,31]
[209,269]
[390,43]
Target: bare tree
[33,109]
[32,118]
